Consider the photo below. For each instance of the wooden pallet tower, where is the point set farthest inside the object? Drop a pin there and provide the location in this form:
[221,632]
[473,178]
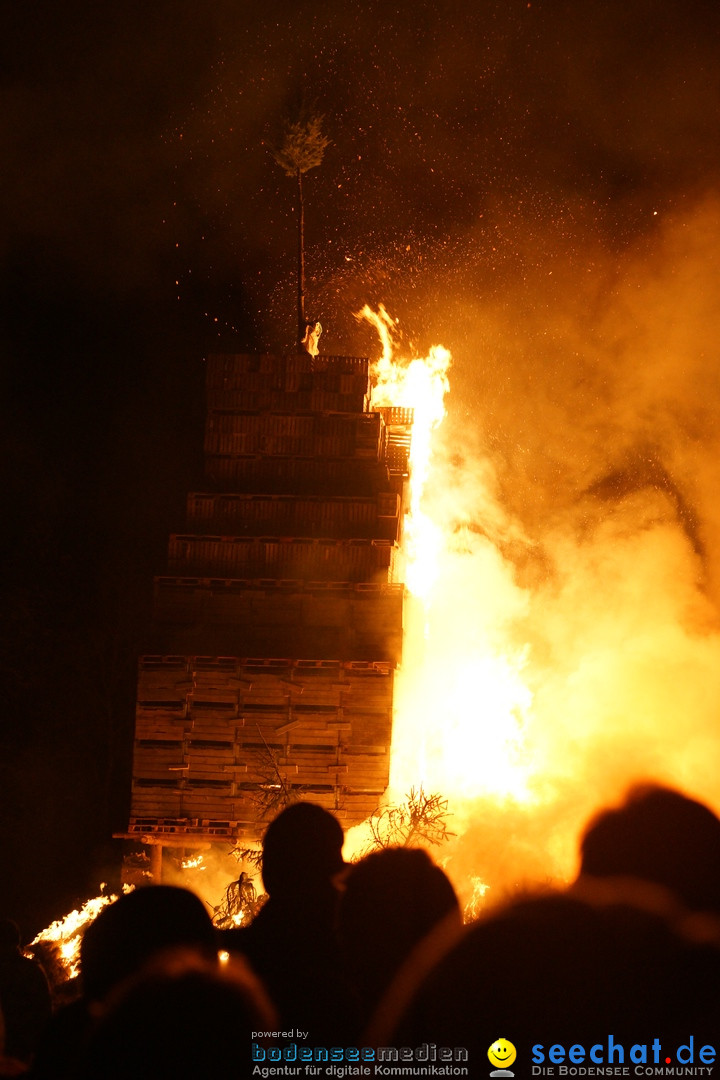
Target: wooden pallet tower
[278,625]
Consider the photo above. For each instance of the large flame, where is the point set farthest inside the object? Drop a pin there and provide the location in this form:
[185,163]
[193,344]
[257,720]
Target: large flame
[419,384]
[463,707]
[531,701]
[461,703]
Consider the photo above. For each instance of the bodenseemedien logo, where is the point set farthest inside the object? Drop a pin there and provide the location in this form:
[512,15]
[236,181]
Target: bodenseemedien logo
[501,1054]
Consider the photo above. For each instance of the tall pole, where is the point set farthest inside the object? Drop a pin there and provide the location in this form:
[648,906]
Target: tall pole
[301,263]
[302,148]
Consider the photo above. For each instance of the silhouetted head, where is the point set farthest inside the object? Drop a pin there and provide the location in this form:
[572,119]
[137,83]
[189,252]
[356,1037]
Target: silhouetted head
[137,926]
[9,936]
[557,963]
[392,899]
[179,1017]
[303,845]
[660,836]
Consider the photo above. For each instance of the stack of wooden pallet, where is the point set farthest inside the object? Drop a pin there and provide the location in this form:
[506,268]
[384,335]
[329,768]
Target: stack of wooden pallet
[278,625]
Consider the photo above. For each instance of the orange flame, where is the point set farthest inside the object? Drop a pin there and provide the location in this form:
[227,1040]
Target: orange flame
[473,908]
[66,934]
[193,862]
[419,384]
[461,705]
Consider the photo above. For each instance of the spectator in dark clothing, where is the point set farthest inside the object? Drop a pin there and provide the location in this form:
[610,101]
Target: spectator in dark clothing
[137,926]
[292,942]
[24,995]
[556,969]
[619,952]
[179,1017]
[659,836]
[392,900]
[124,937]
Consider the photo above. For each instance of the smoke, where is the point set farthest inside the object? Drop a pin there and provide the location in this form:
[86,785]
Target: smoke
[600,386]
[577,482]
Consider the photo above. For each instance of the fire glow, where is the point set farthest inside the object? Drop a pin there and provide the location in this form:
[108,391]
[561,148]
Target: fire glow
[542,674]
[419,384]
[460,705]
[65,935]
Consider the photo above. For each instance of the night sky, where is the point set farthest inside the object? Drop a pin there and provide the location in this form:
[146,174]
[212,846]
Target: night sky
[502,160]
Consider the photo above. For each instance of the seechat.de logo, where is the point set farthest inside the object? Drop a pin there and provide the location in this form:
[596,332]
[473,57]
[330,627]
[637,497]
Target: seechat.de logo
[501,1054]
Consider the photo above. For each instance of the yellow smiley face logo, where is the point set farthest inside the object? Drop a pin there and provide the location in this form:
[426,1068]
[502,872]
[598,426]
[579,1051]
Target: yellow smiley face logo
[502,1053]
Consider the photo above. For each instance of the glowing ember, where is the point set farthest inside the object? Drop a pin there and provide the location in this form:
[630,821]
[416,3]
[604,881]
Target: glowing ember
[193,862]
[474,906]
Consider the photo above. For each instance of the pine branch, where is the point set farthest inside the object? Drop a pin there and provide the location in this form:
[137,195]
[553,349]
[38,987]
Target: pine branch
[302,145]
[421,819]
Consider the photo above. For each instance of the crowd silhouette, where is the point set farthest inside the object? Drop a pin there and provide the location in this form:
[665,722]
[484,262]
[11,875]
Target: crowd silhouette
[375,953]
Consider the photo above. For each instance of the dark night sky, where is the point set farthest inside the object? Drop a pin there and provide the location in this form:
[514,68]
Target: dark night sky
[478,149]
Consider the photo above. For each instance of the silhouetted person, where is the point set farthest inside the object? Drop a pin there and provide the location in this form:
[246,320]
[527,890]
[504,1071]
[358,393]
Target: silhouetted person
[391,901]
[137,925]
[24,995]
[116,945]
[658,835]
[179,1017]
[556,969]
[292,942]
